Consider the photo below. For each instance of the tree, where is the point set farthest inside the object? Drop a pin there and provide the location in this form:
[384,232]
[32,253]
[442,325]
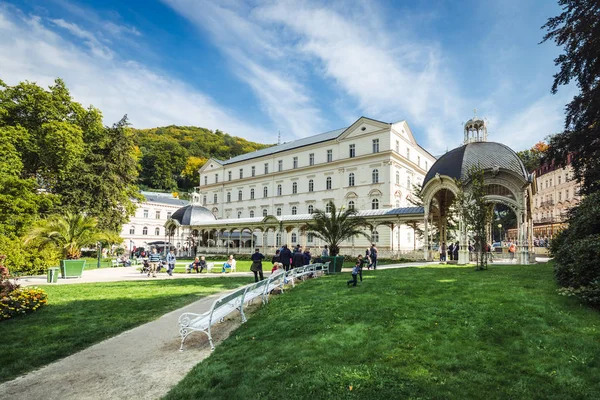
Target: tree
[474,211]
[189,173]
[577,30]
[336,226]
[68,234]
[532,158]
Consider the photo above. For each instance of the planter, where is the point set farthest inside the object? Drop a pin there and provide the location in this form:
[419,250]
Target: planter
[335,263]
[71,268]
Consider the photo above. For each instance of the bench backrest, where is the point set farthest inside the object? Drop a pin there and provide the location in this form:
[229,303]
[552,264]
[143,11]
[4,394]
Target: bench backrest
[231,301]
[255,290]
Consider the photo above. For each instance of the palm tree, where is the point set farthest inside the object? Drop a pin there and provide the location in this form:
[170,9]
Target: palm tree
[67,233]
[336,226]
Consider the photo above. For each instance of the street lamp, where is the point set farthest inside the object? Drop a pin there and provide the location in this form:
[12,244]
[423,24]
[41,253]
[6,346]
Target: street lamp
[500,229]
[99,245]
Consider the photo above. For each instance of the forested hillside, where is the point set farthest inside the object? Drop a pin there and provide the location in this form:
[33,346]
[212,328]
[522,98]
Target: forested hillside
[171,156]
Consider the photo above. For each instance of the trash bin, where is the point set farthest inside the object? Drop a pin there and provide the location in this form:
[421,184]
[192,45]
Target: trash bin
[53,275]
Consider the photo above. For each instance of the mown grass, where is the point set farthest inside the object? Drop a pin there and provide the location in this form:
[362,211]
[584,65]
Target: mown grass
[78,316]
[415,333]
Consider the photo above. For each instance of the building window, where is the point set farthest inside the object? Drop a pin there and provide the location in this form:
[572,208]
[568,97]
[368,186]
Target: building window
[328,183]
[278,212]
[216,178]
[169,212]
[295,162]
[251,213]
[559,196]
[311,186]
[397,146]
[229,197]
[215,198]
[266,168]
[239,214]
[352,151]
[241,173]
[157,215]
[157,232]
[408,182]
[311,159]
[132,230]
[145,230]
[559,179]
[253,171]
[419,161]
[375,237]
[567,194]
[228,175]
[251,194]
[205,180]
[145,213]
[328,207]
[375,204]
[294,210]
[265,192]
[280,165]
[375,176]
[294,187]
[408,153]
[351,179]
[278,190]
[264,212]
[278,239]
[294,238]
[310,237]
[329,155]
[351,205]
[239,195]
[375,145]
[397,177]
[203,203]
[550,182]
[311,209]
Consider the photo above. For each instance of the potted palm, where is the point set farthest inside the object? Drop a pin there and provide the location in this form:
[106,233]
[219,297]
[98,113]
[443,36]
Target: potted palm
[333,228]
[67,233]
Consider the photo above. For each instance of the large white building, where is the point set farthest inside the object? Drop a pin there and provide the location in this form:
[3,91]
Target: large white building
[370,165]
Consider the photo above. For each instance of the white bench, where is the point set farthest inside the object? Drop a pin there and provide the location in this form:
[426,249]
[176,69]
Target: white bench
[209,266]
[114,263]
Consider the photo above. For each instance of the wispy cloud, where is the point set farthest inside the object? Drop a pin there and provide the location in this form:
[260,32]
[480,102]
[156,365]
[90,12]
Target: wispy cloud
[90,40]
[35,49]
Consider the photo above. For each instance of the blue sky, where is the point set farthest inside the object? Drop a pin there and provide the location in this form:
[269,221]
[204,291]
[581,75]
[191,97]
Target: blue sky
[299,67]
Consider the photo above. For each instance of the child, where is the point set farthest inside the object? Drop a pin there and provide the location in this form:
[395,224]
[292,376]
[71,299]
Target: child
[355,271]
[276,266]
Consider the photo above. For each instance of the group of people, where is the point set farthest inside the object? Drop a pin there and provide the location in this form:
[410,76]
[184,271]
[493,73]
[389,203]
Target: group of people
[451,251]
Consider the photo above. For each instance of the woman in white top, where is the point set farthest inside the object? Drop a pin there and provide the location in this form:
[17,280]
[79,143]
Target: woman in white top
[230,263]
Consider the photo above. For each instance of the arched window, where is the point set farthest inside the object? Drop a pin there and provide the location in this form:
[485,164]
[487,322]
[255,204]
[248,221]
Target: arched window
[264,212]
[294,187]
[251,194]
[375,204]
[351,205]
[328,208]
[279,212]
[265,192]
[239,195]
[132,230]
[229,197]
[311,185]
[311,209]
[294,238]
[310,237]
[279,190]
[239,214]
[375,236]
[157,232]
[294,210]
[351,179]
[397,177]
[145,230]
[328,183]
[375,176]
[252,214]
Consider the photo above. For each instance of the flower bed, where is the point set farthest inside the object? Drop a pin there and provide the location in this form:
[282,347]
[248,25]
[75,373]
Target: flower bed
[22,301]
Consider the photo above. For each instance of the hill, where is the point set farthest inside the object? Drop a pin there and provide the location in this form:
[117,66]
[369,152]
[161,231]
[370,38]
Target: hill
[169,157]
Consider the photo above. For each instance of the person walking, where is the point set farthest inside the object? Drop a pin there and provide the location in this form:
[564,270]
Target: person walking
[455,250]
[451,251]
[286,257]
[325,252]
[256,267]
[171,262]
[307,257]
[298,258]
[360,262]
[443,252]
[373,256]
[153,260]
[355,270]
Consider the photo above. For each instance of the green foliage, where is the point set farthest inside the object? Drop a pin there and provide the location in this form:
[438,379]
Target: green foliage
[335,227]
[577,30]
[576,251]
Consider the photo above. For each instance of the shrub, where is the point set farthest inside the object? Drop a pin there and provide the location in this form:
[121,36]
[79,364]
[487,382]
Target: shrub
[21,301]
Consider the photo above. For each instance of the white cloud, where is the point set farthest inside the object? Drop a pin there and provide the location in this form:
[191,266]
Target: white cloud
[35,49]
[90,40]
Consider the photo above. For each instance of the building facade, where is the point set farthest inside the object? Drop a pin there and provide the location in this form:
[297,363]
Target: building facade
[370,165]
[147,225]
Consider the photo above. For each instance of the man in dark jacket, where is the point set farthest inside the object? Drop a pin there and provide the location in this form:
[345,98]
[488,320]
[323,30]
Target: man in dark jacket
[298,258]
[306,256]
[285,256]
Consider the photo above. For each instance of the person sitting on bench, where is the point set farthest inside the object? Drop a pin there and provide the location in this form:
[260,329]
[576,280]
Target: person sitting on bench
[229,264]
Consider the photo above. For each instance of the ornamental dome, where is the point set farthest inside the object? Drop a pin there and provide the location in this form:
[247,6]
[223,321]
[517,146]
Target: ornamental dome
[192,214]
[488,155]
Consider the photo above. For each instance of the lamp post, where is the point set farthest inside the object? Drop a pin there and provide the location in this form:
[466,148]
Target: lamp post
[130,248]
[99,245]
[500,229]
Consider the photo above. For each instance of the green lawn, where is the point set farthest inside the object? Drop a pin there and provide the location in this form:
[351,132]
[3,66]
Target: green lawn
[415,333]
[80,315]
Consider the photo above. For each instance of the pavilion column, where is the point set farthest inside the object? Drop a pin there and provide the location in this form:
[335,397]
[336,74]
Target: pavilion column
[426,236]
[392,239]
[463,252]
[251,239]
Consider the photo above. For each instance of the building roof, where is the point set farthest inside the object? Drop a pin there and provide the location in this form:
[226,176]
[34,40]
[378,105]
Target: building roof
[488,155]
[155,198]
